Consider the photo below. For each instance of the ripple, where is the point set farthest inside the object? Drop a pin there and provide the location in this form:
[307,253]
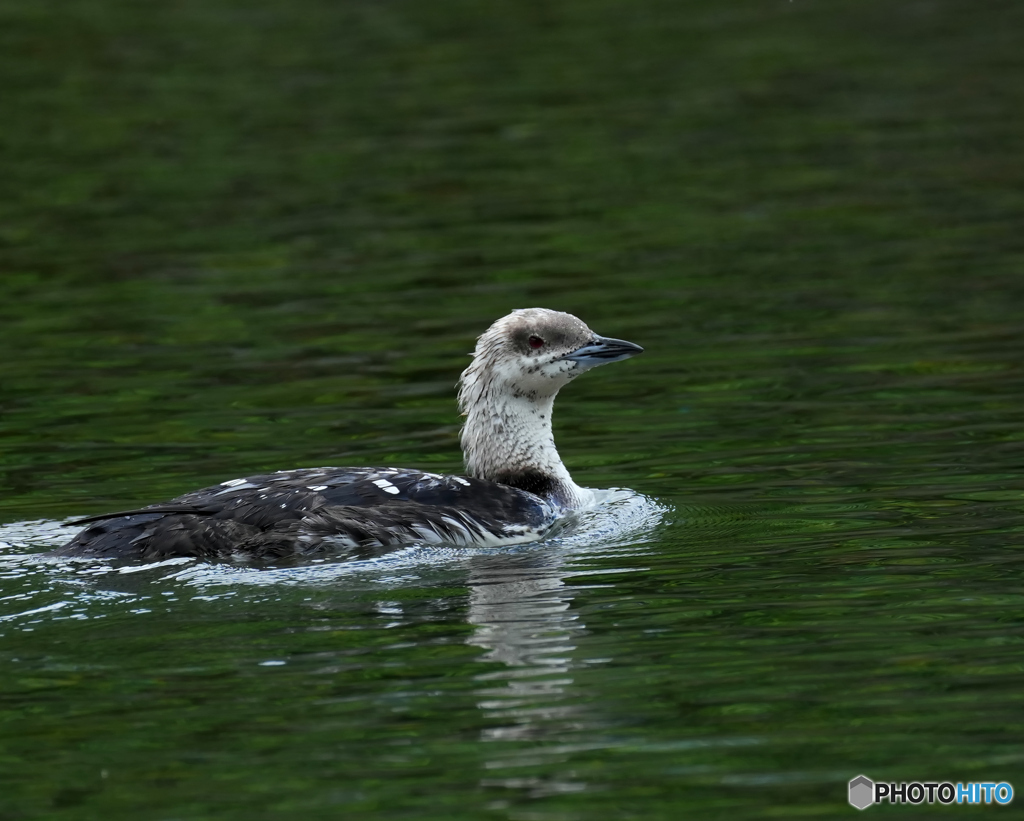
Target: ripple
[40,584]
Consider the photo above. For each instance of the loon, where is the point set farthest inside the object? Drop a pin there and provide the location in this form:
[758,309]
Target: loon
[515,489]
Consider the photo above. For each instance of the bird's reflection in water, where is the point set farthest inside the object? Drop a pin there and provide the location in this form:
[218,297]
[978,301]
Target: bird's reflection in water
[520,607]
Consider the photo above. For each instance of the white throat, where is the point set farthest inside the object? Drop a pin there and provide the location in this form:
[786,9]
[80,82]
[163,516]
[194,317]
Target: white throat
[507,438]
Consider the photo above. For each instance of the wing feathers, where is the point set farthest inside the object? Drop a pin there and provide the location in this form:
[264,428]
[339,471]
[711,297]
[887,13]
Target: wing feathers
[309,511]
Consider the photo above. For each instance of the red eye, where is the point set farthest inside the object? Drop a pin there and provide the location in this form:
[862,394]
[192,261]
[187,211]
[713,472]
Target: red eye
[536,342]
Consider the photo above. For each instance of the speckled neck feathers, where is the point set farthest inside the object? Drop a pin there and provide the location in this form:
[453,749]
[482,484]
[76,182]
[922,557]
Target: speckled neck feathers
[507,395]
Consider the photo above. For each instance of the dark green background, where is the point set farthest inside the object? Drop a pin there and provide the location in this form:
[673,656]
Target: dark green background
[237,237]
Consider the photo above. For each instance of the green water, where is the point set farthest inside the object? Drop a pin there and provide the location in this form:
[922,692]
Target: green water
[239,237]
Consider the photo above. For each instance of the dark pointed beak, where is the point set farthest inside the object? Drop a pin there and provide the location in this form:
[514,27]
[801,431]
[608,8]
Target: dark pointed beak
[602,350]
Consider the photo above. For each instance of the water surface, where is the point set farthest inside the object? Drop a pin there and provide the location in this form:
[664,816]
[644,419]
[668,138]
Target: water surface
[240,238]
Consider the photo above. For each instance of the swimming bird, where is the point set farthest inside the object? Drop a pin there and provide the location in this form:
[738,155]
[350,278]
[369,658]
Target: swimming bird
[516,487]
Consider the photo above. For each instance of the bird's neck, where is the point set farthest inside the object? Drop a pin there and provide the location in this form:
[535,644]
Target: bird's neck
[507,438]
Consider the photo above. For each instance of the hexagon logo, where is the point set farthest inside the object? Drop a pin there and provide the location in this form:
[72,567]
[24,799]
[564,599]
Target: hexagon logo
[862,792]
